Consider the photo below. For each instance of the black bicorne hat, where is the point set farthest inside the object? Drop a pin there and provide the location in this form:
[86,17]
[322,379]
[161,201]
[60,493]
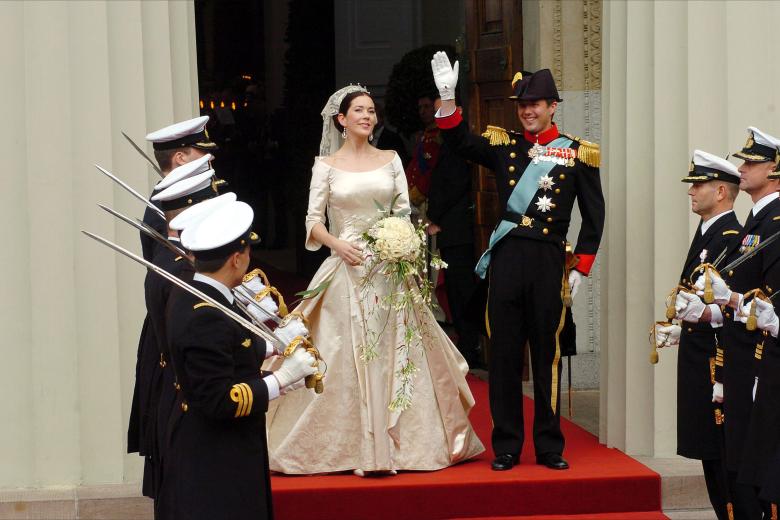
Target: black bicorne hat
[533,86]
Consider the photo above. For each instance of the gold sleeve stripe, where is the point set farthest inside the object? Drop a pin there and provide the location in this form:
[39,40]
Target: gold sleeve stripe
[241,394]
[735,232]
[203,304]
[776,218]
[496,135]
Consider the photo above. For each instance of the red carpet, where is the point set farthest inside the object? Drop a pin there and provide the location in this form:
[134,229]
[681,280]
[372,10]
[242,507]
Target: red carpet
[602,484]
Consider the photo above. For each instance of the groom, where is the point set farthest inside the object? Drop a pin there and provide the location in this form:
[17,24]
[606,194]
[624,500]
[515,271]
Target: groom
[539,174]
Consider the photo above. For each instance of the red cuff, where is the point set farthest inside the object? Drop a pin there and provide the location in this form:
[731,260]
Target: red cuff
[585,263]
[450,121]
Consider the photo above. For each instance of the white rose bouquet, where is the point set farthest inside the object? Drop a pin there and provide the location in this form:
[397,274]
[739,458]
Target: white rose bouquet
[397,251]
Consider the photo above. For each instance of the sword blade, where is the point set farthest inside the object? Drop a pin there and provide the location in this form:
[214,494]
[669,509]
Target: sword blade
[143,154]
[130,190]
[251,327]
[750,254]
[143,228]
[720,257]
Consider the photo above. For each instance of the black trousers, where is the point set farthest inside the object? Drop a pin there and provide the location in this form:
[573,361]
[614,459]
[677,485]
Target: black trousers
[525,303]
[714,479]
[460,283]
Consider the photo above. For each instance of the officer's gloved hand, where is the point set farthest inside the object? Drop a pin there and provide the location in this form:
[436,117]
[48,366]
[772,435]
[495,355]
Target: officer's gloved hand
[717,392]
[766,318]
[668,336]
[444,75]
[575,279]
[295,367]
[250,289]
[295,386]
[291,330]
[689,307]
[720,290]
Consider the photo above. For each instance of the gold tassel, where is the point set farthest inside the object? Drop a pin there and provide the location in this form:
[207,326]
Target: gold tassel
[269,290]
[497,135]
[589,153]
[256,272]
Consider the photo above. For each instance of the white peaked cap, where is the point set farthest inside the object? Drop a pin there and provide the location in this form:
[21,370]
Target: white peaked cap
[190,169]
[194,214]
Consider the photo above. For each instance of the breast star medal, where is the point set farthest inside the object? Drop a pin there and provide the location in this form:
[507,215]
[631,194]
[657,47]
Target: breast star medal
[544,204]
[546,183]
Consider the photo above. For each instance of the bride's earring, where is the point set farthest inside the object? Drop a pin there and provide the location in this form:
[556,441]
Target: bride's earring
[370,137]
[344,132]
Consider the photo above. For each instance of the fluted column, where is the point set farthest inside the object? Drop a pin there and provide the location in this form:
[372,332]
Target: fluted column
[75,75]
[677,76]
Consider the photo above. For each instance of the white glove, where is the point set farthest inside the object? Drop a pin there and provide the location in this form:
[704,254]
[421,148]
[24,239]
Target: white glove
[290,331]
[268,305]
[720,290]
[575,279]
[766,318]
[296,367]
[295,386]
[668,336]
[689,307]
[444,75]
[717,392]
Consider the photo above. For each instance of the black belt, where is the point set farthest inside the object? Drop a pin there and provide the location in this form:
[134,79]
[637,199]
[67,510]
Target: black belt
[524,221]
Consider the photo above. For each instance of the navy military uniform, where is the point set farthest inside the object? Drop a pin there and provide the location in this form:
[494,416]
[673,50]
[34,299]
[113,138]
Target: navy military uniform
[527,271]
[742,349]
[216,462]
[697,432]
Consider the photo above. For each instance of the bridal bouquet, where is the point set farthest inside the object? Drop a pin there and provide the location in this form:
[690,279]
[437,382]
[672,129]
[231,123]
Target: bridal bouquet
[398,253]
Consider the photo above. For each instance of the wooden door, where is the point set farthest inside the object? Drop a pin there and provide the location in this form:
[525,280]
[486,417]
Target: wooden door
[494,40]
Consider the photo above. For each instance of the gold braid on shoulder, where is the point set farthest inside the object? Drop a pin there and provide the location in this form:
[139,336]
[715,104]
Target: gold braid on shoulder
[589,153]
[496,135]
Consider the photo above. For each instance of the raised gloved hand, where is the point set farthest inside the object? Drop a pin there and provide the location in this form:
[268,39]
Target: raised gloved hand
[668,336]
[575,279]
[689,307]
[766,318]
[444,75]
[291,330]
[295,367]
[717,392]
[720,290]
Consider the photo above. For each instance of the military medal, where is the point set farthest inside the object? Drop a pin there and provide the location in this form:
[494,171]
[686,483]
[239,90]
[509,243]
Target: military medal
[749,243]
[546,183]
[536,152]
[544,204]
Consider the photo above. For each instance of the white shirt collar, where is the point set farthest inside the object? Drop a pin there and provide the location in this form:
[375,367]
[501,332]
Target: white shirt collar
[226,292]
[762,202]
[705,225]
[174,239]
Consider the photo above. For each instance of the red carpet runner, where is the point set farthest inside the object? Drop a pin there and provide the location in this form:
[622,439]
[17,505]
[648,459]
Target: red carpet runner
[602,484]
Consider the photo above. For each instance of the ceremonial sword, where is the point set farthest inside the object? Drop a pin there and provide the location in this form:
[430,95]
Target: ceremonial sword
[154,234]
[251,327]
[131,190]
[143,154]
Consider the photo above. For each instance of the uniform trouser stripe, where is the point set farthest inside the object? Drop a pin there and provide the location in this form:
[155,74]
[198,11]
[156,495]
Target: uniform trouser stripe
[557,358]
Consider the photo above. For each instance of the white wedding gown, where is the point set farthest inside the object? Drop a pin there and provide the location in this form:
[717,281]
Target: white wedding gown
[351,426]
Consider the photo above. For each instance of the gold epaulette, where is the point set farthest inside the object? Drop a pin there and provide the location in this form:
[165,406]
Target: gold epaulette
[203,304]
[732,232]
[496,135]
[589,153]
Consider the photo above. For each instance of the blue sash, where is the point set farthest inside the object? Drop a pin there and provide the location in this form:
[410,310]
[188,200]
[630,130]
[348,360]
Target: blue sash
[519,200]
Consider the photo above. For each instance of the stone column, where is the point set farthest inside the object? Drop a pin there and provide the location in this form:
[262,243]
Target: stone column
[677,76]
[75,75]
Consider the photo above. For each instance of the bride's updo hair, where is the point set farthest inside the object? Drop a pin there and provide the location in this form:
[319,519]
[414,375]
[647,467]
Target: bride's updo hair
[345,104]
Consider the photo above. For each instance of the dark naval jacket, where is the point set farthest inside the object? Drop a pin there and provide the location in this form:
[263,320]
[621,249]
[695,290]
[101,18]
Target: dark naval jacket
[739,345]
[696,430]
[216,461]
[506,153]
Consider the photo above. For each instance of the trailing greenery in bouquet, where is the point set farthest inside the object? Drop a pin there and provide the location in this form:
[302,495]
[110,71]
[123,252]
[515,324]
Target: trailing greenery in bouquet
[398,253]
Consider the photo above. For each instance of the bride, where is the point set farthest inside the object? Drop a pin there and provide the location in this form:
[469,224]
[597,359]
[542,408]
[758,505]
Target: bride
[356,423]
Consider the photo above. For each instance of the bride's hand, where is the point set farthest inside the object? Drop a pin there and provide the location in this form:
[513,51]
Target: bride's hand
[348,252]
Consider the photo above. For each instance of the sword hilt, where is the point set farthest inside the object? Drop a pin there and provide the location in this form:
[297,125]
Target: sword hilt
[313,381]
[752,320]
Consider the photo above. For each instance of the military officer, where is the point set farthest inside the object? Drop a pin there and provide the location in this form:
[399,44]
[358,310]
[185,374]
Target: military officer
[174,146]
[539,174]
[741,347]
[216,464]
[714,187]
